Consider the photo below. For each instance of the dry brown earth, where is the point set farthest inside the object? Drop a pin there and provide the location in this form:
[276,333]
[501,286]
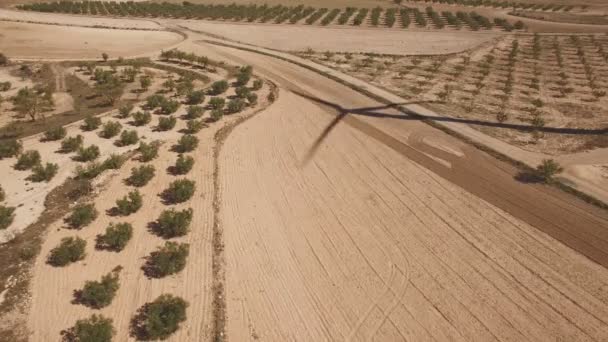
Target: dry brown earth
[49,41]
[294,38]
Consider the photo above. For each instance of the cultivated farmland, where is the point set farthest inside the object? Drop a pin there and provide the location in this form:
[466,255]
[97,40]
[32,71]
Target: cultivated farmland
[314,171]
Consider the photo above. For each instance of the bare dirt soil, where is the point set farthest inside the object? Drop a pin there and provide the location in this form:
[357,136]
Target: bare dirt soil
[360,243]
[49,41]
[326,227]
[73,20]
[290,38]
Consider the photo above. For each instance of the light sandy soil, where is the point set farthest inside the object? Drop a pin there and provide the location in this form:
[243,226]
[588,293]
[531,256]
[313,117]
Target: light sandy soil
[363,244]
[51,308]
[49,41]
[74,20]
[6,114]
[298,38]
[28,197]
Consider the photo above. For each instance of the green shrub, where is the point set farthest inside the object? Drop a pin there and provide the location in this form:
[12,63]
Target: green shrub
[7,215]
[43,173]
[141,118]
[55,134]
[97,328]
[243,78]
[217,103]
[154,101]
[257,84]
[127,138]
[179,191]
[116,237]
[89,171]
[71,249]
[10,148]
[186,143]
[172,223]
[169,106]
[147,152]
[99,294]
[167,260]
[242,92]
[27,160]
[129,204]
[5,86]
[236,105]
[196,97]
[91,123]
[87,154]
[114,162]
[110,129]
[125,111]
[141,175]
[82,215]
[217,114]
[548,169]
[252,98]
[195,112]
[219,87]
[166,123]
[160,318]
[194,126]
[2,194]
[183,165]
[71,144]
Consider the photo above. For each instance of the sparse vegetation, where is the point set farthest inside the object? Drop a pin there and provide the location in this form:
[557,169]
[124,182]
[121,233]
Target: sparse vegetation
[179,191]
[140,176]
[219,87]
[86,154]
[10,148]
[195,112]
[183,165]
[55,134]
[99,294]
[116,237]
[187,143]
[7,215]
[129,204]
[91,123]
[548,169]
[193,126]
[147,152]
[71,249]
[128,138]
[97,328]
[43,173]
[82,215]
[172,223]
[110,129]
[27,160]
[71,144]
[141,118]
[167,260]
[217,103]
[166,123]
[160,318]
